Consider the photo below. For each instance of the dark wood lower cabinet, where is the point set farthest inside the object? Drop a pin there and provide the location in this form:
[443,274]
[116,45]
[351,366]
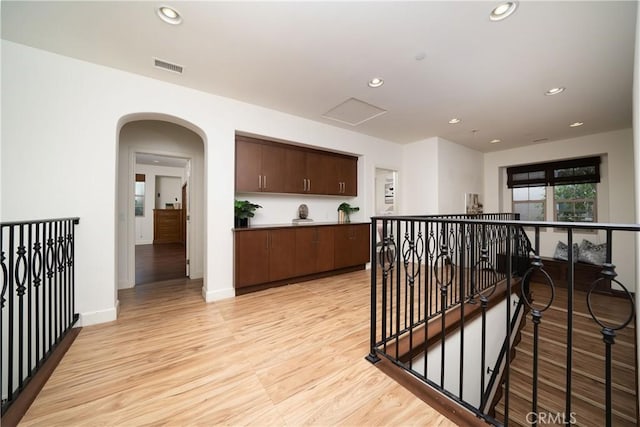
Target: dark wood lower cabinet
[264,256]
[314,250]
[351,245]
[167,226]
[278,256]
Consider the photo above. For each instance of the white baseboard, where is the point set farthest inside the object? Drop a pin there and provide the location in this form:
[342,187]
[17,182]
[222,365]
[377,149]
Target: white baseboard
[144,242]
[100,316]
[218,294]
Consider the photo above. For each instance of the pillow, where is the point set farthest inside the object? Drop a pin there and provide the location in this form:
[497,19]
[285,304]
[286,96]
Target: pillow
[562,252]
[592,253]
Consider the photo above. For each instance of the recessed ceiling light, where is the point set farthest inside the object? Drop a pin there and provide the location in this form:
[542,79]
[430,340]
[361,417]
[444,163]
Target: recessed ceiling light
[576,124]
[554,91]
[375,82]
[169,15]
[503,11]
[495,141]
[454,121]
[156,161]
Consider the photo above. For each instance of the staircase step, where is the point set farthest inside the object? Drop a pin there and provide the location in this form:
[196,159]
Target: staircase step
[621,351]
[609,308]
[585,322]
[553,401]
[589,390]
[586,363]
[518,410]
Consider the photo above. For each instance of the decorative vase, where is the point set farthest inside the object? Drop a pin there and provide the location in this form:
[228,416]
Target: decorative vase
[342,217]
[241,222]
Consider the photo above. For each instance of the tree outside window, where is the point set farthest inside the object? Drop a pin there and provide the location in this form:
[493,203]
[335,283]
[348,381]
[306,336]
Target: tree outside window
[575,203]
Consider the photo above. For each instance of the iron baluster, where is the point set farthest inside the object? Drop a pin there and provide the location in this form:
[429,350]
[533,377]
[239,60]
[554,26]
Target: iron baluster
[608,274]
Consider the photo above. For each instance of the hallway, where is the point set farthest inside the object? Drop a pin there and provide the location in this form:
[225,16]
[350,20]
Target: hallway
[155,263]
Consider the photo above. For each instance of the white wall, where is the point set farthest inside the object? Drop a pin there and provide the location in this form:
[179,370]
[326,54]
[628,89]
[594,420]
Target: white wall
[144,224]
[616,192]
[460,171]
[435,176]
[61,111]
[495,337]
[168,191]
[418,178]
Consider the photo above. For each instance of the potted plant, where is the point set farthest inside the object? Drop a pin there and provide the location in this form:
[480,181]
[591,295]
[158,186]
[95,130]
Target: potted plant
[345,210]
[243,210]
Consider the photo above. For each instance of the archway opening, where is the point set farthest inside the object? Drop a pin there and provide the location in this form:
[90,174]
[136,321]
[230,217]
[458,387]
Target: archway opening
[167,154]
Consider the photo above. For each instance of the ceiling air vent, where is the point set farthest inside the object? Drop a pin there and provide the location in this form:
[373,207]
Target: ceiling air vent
[174,68]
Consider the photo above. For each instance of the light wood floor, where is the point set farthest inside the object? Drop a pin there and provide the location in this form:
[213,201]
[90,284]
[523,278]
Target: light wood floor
[291,356]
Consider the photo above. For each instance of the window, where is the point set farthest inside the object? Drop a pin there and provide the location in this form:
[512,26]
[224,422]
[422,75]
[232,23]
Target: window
[529,202]
[575,202]
[139,194]
[571,184]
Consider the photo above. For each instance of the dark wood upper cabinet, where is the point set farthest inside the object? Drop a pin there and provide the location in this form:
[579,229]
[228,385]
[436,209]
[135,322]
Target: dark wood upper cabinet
[265,166]
[259,166]
[248,166]
[295,165]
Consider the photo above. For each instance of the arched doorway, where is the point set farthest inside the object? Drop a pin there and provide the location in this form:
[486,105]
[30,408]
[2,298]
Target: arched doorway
[157,136]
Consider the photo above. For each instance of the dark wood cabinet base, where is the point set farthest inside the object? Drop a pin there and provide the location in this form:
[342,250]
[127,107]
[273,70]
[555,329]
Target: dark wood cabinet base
[262,286]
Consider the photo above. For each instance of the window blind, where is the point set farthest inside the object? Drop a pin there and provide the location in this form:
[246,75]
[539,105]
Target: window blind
[575,171]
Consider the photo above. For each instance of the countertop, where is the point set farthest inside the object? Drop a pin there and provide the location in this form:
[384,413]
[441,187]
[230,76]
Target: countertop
[290,225]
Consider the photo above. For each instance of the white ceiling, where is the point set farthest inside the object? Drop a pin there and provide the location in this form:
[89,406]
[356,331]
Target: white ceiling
[305,58]
[159,160]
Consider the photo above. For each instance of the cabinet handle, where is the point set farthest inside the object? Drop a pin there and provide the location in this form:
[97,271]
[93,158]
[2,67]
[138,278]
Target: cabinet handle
[309,185]
[264,181]
[304,184]
[260,182]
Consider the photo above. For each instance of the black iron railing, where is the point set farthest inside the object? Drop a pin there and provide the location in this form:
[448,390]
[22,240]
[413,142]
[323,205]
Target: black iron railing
[445,271]
[37,299]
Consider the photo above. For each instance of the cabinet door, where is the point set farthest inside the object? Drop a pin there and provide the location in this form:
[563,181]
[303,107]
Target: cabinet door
[317,165]
[348,173]
[361,244]
[251,258]
[273,173]
[314,250]
[342,246]
[324,247]
[295,171]
[248,166]
[282,252]
[306,250]
[351,245]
